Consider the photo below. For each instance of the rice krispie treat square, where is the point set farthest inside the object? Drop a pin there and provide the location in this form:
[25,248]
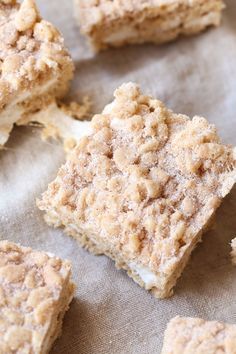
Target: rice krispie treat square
[142,187]
[35,67]
[115,23]
[35,292]
[196,336]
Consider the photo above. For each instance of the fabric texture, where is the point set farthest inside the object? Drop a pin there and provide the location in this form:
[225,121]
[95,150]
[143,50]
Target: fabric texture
[110,313]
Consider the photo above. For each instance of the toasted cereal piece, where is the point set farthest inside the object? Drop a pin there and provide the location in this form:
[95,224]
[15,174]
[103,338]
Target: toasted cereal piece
[194,335]
[142,187]
[115,23]
[35,292]
[35,67]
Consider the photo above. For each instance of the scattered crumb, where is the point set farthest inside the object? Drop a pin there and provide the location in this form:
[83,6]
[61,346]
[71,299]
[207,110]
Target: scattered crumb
[79,111]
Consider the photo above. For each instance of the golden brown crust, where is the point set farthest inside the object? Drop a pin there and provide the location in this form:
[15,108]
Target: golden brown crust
[146,182]
[194,335]
[35,292]
[31,52]
[115,23]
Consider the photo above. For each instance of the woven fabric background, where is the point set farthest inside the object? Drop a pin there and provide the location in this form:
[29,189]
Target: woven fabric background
[110,313]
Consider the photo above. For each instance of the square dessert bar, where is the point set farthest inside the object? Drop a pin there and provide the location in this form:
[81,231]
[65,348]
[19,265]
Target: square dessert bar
[194,335]
[115,23]
[142,187]
[35,67]
[35,292]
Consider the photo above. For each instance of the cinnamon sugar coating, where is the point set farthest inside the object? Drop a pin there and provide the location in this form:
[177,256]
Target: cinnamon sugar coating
[31,50]
[114,23]
[194,335]
[35,67]
[35,292]
[143,186]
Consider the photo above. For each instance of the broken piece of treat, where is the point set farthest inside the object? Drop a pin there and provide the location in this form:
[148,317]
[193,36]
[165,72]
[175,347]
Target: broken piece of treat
[142,187]
[35,67]
[194,335]
[35,292]
[115,23]
[233,251]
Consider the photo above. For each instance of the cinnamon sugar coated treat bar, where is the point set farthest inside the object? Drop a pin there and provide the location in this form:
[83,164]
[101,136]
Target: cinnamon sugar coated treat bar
[35,292]
[142,187]
[35,67]
[196,336]
[115,23]
[233,251]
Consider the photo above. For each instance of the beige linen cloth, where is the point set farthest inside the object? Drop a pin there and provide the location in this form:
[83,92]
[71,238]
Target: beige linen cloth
[110,313]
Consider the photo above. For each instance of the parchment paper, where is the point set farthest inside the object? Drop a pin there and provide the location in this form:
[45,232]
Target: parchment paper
[110,313]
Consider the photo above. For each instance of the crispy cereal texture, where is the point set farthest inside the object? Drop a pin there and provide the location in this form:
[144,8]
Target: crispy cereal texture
[142,187]
[35,67]
[196,336]
[115,23]
[35,292]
